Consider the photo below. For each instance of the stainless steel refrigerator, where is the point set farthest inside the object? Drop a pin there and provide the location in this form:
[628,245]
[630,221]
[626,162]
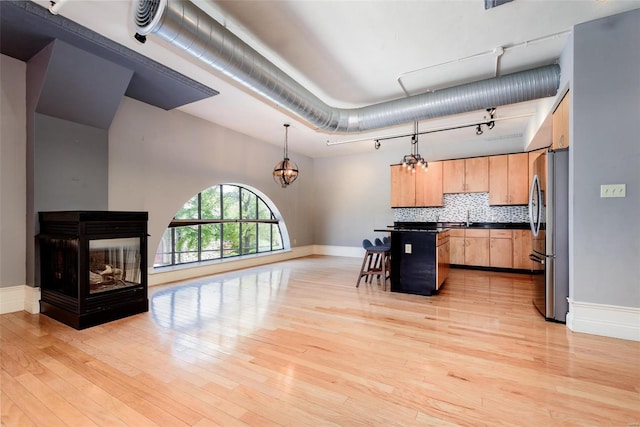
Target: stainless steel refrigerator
[549,217]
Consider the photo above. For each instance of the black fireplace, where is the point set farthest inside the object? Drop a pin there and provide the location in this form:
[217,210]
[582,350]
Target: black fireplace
[93,266]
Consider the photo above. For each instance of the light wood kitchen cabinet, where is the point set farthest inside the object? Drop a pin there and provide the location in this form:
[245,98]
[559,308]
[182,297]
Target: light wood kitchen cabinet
[469,247]
[403,187]
[497,247]
[476,249]
[508,179]
[456,246]
[561,124]
[416,189]
[429,185]
[466,175]
[443,258]
[522,245]
[533,155]
[476,174]
[453,176]
[501,248]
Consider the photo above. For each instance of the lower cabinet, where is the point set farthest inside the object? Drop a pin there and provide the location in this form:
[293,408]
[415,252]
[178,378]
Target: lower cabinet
[476,249]
[469,247]
[456,246]
[443,257]
[522,244]
[499,248]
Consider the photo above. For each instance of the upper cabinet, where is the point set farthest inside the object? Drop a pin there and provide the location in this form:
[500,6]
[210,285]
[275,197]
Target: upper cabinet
[561,124]
[429,185]
[403,187]
[466,175]
[509,179]
[422,188]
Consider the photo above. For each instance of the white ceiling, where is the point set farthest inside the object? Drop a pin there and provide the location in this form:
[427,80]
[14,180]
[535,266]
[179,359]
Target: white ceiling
[360,52]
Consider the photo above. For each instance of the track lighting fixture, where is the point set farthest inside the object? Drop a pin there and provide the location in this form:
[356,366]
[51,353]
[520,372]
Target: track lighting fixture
[489,123]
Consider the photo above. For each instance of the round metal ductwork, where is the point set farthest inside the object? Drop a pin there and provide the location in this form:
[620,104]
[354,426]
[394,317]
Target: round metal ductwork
[187,27]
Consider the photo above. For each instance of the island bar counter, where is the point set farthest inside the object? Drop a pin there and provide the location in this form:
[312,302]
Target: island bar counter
[419,259]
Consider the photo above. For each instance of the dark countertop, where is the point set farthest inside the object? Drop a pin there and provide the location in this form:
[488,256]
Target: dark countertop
[435,227]
[412,230]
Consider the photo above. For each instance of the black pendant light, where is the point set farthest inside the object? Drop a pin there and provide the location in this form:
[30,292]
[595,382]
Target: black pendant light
[410,161]
[285,172]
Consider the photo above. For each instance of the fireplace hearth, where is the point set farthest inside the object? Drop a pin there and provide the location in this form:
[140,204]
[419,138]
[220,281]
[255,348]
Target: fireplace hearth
[93,266]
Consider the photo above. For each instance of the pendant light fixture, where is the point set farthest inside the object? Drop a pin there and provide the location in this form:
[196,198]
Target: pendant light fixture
[410,161]
[285,172]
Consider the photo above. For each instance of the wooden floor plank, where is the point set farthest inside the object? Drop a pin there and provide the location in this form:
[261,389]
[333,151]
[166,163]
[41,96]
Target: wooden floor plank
[11,414]
[296,343]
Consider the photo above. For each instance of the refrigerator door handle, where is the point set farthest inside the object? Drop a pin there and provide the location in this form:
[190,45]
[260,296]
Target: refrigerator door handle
[536,258]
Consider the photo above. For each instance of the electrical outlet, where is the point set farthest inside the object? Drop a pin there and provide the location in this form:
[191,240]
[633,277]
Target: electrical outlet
[407,248]
[613,190]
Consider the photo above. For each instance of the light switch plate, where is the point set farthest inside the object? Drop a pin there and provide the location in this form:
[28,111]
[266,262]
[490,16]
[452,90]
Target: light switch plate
[613,190]
[407,248]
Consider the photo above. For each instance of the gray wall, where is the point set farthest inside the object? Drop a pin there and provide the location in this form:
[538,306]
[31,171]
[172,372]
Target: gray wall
[70,165]
[605,146]
[13,183]
[352,197]
[159,159]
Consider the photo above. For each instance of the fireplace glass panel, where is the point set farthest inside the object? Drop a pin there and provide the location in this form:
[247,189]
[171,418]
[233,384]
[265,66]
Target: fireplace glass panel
[114,264]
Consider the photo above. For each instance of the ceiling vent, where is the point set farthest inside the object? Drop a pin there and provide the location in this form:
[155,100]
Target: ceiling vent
[489,4]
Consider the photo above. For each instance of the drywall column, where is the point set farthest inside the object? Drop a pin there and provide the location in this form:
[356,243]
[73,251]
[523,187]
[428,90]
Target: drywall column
[605,233]
[13,185]
[72,96]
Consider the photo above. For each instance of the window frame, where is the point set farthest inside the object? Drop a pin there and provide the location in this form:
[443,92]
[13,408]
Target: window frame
[198,222]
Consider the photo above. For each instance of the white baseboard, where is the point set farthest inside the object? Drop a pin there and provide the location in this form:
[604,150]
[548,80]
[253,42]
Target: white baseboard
[32,299]
[347,251]
[18,298]
[606,320]
[174,274]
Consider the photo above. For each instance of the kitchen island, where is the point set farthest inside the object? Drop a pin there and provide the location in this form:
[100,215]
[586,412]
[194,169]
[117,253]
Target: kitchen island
[419,259]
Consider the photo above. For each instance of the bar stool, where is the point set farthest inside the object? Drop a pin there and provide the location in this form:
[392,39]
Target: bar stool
[376,259]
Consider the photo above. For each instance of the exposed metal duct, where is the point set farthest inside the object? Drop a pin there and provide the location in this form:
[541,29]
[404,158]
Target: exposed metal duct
[184,25]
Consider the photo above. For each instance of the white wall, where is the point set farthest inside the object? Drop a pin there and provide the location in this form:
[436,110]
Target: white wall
[13,184]
[159,159]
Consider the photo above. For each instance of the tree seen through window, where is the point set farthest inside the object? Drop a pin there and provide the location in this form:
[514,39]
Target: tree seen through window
[221,222]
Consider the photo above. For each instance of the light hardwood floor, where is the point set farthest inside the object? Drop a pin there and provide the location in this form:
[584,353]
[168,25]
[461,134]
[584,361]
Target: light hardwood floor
[296,344]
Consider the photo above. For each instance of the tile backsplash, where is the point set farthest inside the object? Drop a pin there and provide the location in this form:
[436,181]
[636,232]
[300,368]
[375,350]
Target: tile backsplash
[458,206]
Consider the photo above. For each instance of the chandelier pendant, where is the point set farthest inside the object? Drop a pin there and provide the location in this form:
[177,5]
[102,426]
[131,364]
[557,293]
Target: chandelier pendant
[410,161]
[285,171]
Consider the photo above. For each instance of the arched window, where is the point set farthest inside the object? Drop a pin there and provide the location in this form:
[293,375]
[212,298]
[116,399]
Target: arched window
[223,221]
